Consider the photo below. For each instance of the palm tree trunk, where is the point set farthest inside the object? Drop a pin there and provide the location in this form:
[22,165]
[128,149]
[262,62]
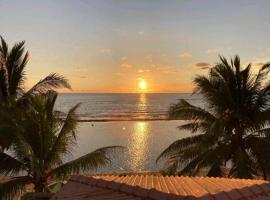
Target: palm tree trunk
[4,94]
[264,175]
[39,186]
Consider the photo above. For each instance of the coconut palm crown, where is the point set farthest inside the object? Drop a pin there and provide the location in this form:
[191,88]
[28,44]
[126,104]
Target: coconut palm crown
[13,62]
[41,141]
[231,131]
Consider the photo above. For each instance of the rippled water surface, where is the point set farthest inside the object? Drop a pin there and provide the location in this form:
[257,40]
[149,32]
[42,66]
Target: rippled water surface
[131,120]
[121,106]
[144,141]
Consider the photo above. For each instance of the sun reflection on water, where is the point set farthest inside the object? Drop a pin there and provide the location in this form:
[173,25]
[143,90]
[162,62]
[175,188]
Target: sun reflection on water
[142,105]
[138,146]
[138,143]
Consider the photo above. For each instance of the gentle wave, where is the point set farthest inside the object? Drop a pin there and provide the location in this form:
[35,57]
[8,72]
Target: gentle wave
[121,107]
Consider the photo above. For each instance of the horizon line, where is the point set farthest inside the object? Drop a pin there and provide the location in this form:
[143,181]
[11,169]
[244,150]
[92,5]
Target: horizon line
[125,92]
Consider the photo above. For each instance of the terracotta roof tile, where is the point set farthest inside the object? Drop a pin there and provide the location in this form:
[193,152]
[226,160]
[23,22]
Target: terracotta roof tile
[153,187]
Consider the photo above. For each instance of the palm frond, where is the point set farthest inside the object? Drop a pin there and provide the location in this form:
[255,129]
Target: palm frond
[261,75]
[52,81]
[211,159]
[210,89]
[50,98]
[185,111]
[10,165]
[242,167]
[13,187]
[16,64]
[65,139]
[7,136]
[22,148]
[171,166]
[92,161]
[3,47]
[179,146]
[233,126]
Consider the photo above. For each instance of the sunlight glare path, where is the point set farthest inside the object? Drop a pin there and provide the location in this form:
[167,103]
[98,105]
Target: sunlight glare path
[138,146]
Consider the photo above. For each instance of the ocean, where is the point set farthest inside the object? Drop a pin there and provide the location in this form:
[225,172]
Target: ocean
[136,121]
[122,107]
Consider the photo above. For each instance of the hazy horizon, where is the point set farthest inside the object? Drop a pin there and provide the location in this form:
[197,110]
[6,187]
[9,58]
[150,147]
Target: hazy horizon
[124,46]
[76,92]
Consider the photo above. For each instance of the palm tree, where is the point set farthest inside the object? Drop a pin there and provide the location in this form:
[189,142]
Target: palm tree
[12,73]
[41,142]
[232,130]
[12,79]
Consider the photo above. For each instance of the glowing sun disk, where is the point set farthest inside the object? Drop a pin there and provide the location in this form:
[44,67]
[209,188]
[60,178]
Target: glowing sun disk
[142,84]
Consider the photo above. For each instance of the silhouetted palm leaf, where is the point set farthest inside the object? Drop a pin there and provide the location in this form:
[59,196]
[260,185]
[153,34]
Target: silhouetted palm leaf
[10,166]
[87,162]
[13,62]
[12,74]
[40,142]
[233,128]
[52,81]
[14,186]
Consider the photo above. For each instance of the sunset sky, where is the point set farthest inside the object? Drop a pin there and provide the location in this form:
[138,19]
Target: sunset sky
[111,45]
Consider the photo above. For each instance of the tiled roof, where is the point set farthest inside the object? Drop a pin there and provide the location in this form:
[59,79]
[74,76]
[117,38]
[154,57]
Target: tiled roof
[151,187]
[4,178]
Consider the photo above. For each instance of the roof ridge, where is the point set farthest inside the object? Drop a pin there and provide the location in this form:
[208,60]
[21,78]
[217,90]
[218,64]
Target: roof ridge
[264,185]
[123,188]
[203,177]
[214,189]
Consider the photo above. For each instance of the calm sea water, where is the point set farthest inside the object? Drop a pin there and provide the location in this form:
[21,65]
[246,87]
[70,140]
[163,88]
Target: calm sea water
[144,139]
[122,106]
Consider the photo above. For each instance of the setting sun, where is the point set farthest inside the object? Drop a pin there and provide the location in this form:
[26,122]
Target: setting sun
[142,85]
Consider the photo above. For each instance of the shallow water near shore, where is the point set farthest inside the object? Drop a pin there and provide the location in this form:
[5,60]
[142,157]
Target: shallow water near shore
[143,141]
